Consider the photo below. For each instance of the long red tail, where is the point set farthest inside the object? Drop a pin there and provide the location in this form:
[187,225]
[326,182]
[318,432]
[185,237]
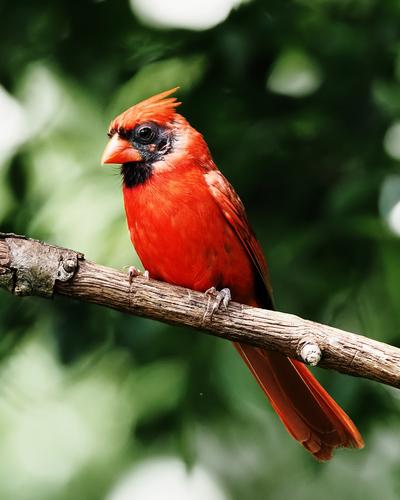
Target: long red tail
[308,412]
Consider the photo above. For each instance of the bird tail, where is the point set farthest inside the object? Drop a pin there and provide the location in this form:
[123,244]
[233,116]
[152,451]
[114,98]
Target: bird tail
[307,411]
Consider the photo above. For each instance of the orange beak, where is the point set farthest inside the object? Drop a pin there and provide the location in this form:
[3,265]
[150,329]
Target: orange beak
[120,151]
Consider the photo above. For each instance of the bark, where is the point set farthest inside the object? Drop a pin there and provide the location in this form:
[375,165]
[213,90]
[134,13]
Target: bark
[30,267]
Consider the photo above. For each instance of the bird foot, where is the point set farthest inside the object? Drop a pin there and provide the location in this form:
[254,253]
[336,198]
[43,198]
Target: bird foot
[221,300]
[133,272]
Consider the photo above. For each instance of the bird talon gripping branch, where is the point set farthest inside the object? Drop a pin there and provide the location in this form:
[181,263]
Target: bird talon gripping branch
[180,210]
[134,272]
[222,298]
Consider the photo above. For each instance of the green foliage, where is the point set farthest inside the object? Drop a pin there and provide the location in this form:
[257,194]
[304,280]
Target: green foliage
[299,102]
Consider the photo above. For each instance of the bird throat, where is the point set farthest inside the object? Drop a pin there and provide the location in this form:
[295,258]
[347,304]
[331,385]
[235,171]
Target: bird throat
[136,173]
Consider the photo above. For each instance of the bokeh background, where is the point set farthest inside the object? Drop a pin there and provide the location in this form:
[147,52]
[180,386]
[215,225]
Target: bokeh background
[300,104]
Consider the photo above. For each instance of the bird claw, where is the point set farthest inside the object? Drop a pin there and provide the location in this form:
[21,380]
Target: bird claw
[133,272]
[222,299]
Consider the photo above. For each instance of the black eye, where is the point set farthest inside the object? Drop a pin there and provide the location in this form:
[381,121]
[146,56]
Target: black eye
[146,133]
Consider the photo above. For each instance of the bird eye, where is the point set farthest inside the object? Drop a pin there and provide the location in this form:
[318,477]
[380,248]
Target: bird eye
[146,133]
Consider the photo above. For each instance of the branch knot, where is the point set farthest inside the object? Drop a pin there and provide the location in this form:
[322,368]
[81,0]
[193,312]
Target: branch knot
[308,348]
[35,266]
[311,354]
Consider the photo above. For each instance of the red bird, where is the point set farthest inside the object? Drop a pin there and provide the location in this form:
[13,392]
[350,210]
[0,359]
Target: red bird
[190,228]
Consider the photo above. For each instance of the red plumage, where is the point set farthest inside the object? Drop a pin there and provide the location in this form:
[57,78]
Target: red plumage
[190,228]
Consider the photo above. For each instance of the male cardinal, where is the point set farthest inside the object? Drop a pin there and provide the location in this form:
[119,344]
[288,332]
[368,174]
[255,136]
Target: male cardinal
[190,228]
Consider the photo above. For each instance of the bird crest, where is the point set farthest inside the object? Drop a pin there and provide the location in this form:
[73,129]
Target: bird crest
[159,109]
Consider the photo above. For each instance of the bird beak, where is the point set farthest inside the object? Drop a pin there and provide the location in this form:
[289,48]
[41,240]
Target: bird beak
[120,150]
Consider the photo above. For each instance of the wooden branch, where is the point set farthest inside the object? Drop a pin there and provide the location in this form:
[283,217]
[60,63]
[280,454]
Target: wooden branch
[29,267]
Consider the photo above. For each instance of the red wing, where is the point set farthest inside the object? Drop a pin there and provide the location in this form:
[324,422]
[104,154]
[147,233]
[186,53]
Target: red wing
[234,212]
[308,412]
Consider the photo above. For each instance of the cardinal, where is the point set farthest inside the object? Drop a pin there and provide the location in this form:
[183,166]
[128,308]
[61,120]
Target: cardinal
[189,228]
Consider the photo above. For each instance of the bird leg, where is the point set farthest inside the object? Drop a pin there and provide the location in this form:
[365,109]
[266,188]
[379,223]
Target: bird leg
[133,272]
[222,299]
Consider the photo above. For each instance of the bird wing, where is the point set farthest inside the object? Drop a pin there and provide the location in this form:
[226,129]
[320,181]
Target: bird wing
[234,212]
[308,412]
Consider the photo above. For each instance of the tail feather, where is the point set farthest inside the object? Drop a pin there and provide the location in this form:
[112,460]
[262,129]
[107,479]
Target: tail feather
[310,415]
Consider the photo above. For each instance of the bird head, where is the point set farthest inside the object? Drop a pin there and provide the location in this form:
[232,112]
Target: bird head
[145,135]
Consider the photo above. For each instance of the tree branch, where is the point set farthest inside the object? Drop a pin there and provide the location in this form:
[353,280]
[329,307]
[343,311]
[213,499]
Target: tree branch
[30,267]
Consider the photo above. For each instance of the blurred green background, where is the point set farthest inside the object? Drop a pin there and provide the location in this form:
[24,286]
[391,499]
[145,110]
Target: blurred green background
[299,102]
